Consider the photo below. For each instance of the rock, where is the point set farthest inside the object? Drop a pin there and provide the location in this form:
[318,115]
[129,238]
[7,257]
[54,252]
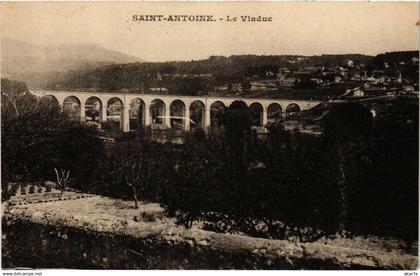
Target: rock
[203,243]
[37,215]
[280,253]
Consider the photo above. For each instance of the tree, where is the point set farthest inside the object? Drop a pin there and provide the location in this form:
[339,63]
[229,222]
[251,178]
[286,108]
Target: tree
[62,179]
[40,137]
[31,136]
[132,166]
[394,148]
[15,99]
[237,121]
[345,126]
[135,177]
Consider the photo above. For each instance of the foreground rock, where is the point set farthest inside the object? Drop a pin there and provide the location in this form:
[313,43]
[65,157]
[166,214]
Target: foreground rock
[101,233]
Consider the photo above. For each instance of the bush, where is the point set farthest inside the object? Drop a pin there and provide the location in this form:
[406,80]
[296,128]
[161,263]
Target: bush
[32,189]
[14,188]
[6,192]
[48,187]
[39,190]
[111,128]
[22,190]
[148,217]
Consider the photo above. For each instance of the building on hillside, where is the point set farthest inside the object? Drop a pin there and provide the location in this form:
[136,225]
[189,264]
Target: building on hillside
[338,79]
[288,81]
[236,87]
[268,85]
[317,80]
[158,89]
[221,88]
[359,93]
[269,74]
[408,88]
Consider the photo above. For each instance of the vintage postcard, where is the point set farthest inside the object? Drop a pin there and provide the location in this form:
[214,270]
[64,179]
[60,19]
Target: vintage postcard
[209,135]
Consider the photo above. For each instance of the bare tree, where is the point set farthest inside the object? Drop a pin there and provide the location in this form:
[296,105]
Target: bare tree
[62,179]
[135,174]
[132,180]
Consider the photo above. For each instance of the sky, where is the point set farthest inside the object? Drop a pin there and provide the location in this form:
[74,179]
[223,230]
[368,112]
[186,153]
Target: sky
[305,28]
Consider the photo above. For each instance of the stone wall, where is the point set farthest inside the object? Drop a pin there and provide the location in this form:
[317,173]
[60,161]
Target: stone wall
[34,245]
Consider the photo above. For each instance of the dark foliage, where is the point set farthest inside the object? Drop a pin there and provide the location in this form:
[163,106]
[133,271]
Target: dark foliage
[400,61]
[41,137]
[360,177]
[305,83]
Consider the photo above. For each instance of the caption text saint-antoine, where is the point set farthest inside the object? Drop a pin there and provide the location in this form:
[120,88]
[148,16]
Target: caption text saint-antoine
[199,18]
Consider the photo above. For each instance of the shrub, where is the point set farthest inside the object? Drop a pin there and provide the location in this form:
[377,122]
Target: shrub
[32,189]
[22,190]
[5,193]
[111,128]
[39,190]
[48,187]
[14,188]
[148,217]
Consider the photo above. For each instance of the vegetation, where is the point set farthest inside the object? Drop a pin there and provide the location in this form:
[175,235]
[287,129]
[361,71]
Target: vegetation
[62,179]
[192,77]
[40,137]
[48,188]
[231,180]
[31,189]
[200,77]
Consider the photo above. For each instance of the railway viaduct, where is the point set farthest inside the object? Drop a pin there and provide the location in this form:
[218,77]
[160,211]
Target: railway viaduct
[172,110]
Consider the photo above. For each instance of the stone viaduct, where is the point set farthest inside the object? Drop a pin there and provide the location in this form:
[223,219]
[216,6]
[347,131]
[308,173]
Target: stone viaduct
[172,110]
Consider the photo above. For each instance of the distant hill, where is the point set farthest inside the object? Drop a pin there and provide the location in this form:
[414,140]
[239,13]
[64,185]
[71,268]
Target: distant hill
[198,76]
[20,59]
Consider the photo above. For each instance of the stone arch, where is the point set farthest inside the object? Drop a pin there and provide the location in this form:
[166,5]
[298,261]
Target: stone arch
[137,113]
[93,109]
[292,108]
[114,110]
[257,111]
[274,113]
[72,106]
[157,111]
[216,112]
[177,115]
[197,114]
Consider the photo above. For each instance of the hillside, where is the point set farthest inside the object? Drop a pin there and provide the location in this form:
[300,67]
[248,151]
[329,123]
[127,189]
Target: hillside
[29,62]
[203,75]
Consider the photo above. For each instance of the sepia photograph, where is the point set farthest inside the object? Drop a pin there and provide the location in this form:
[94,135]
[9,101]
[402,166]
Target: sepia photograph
[220,135]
